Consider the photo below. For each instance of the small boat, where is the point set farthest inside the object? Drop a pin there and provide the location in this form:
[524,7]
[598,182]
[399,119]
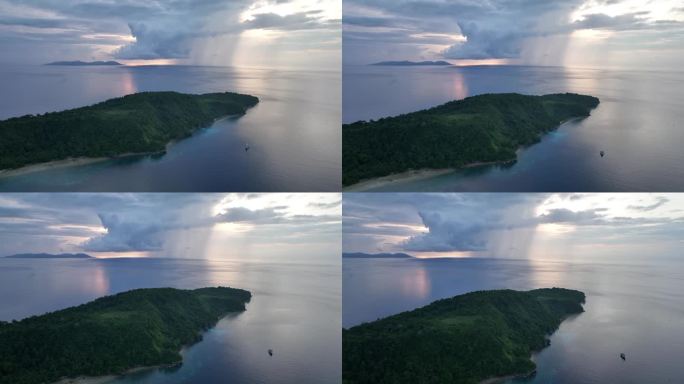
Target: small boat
[603,153]
[270,352]
[622,356]
[246,147]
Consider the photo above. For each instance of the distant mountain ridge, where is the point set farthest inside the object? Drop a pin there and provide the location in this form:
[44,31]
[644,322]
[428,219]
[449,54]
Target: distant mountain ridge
[413,63]
[361,255]
[50,256]
[83,63]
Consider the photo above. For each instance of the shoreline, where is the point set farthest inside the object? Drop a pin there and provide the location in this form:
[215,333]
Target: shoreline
[503,379]
[107,378]
[427,173]
[414,175]
[78,161]
[68,162]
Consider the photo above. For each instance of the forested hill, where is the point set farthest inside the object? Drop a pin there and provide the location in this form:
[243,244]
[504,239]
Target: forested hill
[464,339]
[482,128]
[143,327]
[139,123]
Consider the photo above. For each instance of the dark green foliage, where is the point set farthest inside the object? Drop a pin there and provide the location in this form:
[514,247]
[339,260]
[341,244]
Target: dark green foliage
[464,339]
[138,123]
[142,327]
[483,128]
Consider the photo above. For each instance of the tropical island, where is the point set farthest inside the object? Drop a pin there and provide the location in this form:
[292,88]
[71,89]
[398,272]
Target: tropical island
[406,63]
[477,130]
[361,255]
[464,339]
[113,334]
[50,256]
[79,63]
[140,123]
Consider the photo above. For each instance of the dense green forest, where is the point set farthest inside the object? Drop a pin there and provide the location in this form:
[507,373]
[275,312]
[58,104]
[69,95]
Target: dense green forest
[138,123]
[464,339]
[142,327]
[482,128]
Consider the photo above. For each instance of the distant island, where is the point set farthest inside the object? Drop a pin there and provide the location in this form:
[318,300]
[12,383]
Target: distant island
[406,63]
[140,123]
[360,255]
[476,130]
[113,334]
[83,63]
[50,256]
[465,339]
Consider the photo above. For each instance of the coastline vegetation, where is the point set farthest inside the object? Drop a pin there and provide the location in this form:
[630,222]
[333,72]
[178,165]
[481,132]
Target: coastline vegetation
[478,129]
[134,124]
[113,334]
[464,339]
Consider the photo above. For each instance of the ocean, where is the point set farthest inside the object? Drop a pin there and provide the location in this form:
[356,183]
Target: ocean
[631,307]
[293,133]
[295,310]
[638,125]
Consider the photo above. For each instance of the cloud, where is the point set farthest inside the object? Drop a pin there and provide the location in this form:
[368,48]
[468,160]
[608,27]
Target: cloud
[564,215]
[430,222]
[478,222]
[154,44]
[165,29]
[240,214]
[125,236]
[447,234]
[295,21]
[660,201]
[167,224]
[497,29]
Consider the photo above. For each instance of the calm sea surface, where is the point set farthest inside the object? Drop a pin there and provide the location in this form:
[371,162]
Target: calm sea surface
[293,133]
[636,309]
[295,310]
[639,125]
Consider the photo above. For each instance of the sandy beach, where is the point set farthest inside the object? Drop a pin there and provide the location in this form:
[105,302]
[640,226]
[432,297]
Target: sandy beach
[70,162]
[108,378]
[413,175]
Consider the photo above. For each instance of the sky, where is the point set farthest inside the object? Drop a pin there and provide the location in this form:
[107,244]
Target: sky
[230,226]
[261,33]
[578,33]
[606,227]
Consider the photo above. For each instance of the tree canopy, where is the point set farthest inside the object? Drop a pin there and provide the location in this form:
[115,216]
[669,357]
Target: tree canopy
[484,128]
[463,339]
[138,328]
[138,123]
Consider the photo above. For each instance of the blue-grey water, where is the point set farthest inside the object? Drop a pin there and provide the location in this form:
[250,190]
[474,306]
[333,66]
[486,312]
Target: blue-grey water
[631,308]
[638,124]
[293,133]
[295,310]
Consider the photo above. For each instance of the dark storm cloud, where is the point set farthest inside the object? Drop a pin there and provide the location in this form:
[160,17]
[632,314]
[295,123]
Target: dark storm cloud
[467,222]
[453,221]
[164,29]
[125,236]
[496,29]
[144,222]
